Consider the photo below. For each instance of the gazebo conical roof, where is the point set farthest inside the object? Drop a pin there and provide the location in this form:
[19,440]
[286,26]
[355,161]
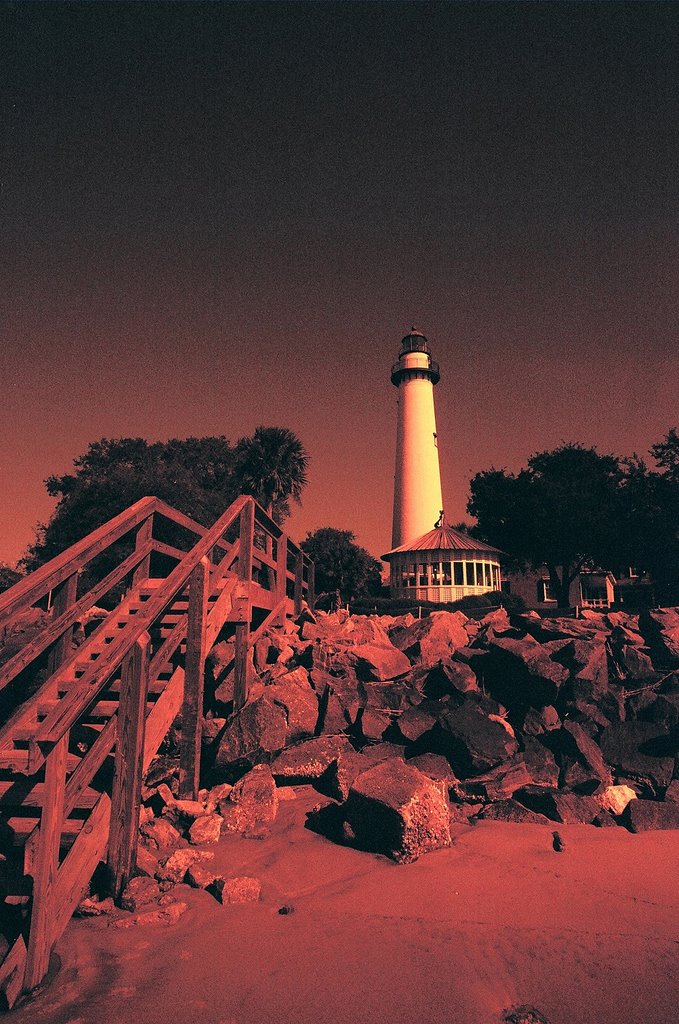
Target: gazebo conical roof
[444,538]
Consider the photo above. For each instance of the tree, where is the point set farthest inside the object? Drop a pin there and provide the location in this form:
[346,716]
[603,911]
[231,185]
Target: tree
[563,511]
[198,476]
[8,577]
[341,564]
[271,466]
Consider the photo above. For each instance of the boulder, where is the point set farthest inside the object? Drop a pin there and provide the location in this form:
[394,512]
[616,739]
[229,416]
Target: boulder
[415,722]
[660,629]
[522,672]
[499,784]
[449,677]
[587,663]
[433,638]
[239,889]
[348,765]
[642,750]
[138,892]
[672,793]
[206,829]
[252,804]
[379,661]
[373,724]
[159,834]
[473,741]
[540,763]
[614,798]
[512,811]
[436,767]
[579,744]
[635,664]
[396,810]
[299,703]
[540,720]
[255,733]
[569,808]
[308,760]
[177,864]
[645,815]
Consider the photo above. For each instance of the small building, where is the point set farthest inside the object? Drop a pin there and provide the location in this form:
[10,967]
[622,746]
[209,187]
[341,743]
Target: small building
[443,565]
[589,589]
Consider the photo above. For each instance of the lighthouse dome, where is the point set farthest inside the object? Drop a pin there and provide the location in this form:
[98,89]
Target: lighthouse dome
[415,341]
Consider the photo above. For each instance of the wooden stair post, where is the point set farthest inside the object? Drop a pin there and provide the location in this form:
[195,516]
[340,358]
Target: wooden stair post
[192,708]
[242,638]
[46,866]
[299,580]
[281,575]
[63,597]
[126,797]
[143,537]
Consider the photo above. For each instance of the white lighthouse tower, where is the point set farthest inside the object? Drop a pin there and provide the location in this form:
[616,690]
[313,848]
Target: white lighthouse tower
[418,503]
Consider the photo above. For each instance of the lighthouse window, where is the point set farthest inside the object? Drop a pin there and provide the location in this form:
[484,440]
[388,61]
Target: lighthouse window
[471,574]
[436,574]
[447,578]
[424,576]
[458,568]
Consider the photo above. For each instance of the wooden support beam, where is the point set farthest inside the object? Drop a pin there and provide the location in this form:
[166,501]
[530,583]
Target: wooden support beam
[12,971]
[242,638]
[299,580]
[143,538]
[126,798]
[192,708]
[281,577]
[46,866]
[63,596]
[311,593]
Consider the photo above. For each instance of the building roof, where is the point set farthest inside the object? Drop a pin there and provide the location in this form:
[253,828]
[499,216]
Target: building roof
[444,538]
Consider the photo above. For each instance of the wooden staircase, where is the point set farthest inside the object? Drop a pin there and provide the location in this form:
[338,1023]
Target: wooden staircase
[74,751]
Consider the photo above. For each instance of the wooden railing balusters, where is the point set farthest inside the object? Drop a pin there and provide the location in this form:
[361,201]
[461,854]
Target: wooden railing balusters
[247,532]
[63,596]
[143,537]
[299,580]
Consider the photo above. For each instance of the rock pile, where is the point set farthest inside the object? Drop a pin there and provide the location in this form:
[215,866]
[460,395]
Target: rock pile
[409,725]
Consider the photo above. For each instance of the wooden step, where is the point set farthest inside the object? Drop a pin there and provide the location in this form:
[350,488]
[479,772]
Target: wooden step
[17,760]
[19,828]
[20,793]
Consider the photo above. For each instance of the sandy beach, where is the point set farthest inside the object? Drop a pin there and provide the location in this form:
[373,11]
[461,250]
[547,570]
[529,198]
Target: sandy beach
[587,936]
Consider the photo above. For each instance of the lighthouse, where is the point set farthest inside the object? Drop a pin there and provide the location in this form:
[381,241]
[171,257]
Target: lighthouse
[429,560]
[418,502]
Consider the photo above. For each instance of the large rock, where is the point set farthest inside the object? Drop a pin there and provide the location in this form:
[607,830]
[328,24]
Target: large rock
[379,661]
[255,733]
[300,705]
[540,762]
[340,775]
[499,784]
[396,810]
[522,672]
[644,815]
[660,629]
[252,804]
[512,811]
[474,741]
[643,751]
[308,760]
[582,746]
[434,638]
[587,662]
[416,722]
[569,808]
[447,678]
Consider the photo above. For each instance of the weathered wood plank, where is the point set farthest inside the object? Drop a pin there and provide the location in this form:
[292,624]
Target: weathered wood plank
[162,715]
[299,581]
[79,865]
[271,620]
[247,530]
[143,539]
[12,971]
[219,613]
[127,778]
[281,578]
[46,865]
[63,597]
[192,707]
[90,765]
[311,591]
[169,550]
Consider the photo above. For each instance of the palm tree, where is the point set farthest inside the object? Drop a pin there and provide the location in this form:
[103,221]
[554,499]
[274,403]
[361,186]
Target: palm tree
[271,466]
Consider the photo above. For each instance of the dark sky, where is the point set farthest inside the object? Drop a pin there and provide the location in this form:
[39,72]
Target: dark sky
[220,215]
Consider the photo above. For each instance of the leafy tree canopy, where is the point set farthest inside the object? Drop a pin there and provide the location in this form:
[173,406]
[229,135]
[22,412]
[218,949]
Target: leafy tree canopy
[198,476]
[341,564]
[572,509]
[8,577]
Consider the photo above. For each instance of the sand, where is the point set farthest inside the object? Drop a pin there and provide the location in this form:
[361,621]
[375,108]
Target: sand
[588,936]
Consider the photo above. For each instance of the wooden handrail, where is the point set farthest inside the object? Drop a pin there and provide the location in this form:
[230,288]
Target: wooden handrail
[67,712]
[39,583]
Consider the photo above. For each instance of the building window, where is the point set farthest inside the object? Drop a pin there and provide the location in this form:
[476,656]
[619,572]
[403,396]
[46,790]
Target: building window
[458,569]
[447,577]
[545,591]
[412,574]
[424,575]
[496,578]
[594,594]
[486,575]
[436,574]
[471,574]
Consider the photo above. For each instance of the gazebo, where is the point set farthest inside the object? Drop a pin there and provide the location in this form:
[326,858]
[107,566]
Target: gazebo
[443,565]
